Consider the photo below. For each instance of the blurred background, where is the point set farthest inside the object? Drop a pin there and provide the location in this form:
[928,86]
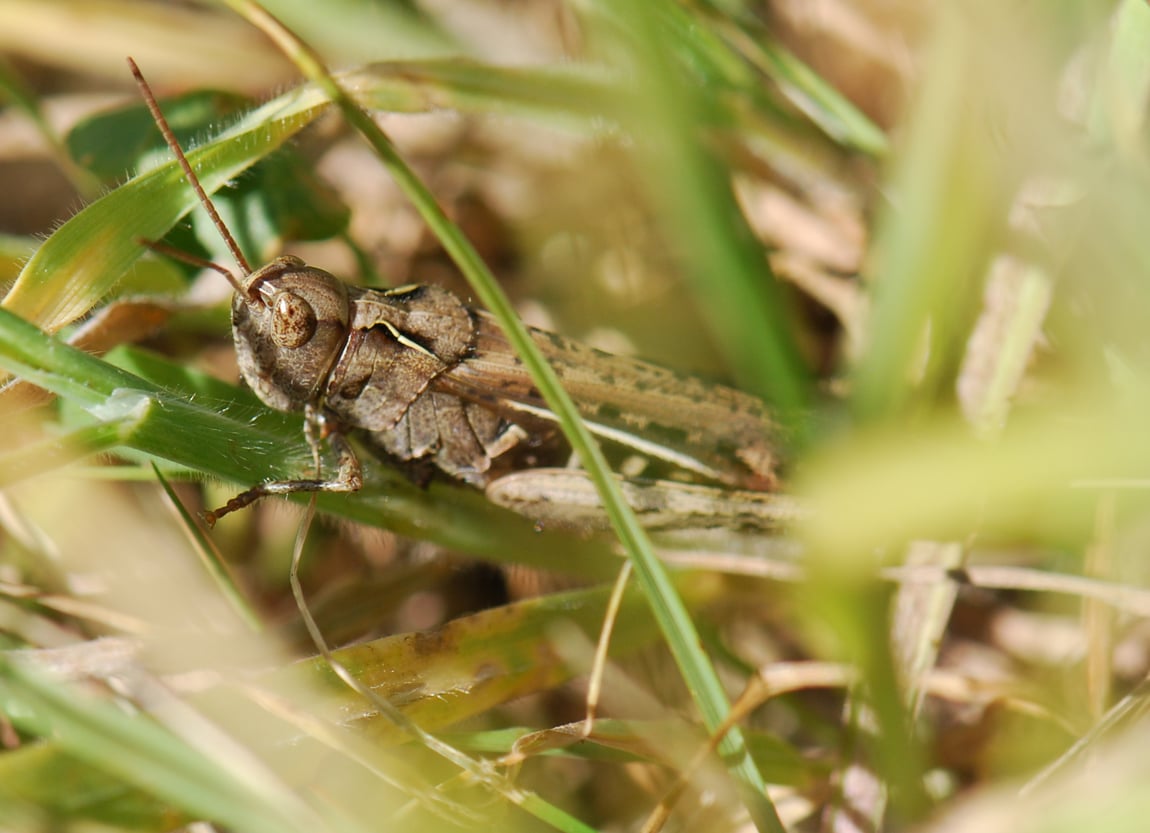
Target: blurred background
[914,229]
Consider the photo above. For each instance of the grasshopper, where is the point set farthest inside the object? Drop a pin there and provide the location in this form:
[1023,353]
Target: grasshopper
[424,380]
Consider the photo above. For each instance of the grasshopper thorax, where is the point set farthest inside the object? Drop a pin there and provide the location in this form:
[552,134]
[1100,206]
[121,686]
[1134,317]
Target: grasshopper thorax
[290,324]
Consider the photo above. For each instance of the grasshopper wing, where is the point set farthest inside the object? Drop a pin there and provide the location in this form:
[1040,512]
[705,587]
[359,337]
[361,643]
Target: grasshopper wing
[714,431]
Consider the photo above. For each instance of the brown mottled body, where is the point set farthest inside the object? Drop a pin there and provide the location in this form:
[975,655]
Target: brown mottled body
[428,379]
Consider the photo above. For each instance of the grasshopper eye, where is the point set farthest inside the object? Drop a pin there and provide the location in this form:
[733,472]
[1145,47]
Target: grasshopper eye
[293,320]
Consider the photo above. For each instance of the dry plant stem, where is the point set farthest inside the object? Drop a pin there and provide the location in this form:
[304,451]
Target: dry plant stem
[1016,300]
[522,746]
[1132,600]
[921,613]
[595,683]
[530,743]
[1097,620]
[662,812]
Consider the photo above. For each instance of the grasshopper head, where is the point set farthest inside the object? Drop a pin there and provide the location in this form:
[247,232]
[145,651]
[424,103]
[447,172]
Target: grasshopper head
[290,324]
[289,320]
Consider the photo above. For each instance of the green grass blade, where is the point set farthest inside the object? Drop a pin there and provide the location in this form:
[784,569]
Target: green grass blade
[756,45]
[41,457]
[572,96]
[951,193]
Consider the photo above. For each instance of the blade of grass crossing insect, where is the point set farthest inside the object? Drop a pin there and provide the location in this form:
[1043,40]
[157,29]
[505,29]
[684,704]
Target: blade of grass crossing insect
[669,610]
[729,265]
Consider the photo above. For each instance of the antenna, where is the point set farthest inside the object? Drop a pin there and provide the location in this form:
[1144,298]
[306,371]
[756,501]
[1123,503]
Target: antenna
[170,138]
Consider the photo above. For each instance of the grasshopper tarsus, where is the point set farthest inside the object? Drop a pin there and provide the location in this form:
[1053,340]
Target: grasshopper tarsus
[272,487]
[240,501]
[349,478]
[343,483]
